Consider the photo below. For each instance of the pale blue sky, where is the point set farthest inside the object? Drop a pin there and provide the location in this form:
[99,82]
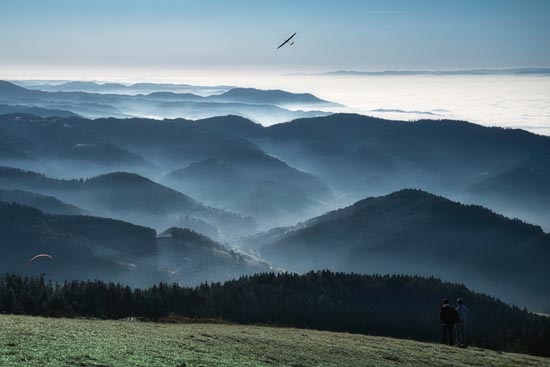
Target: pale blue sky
[343,34]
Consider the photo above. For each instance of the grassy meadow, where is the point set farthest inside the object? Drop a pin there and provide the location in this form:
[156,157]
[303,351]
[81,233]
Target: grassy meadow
[35,341]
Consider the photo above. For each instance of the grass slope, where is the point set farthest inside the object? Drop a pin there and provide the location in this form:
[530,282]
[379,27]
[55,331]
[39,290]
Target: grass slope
[35,341]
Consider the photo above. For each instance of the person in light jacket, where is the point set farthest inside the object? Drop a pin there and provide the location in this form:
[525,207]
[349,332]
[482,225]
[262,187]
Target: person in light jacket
[462,311]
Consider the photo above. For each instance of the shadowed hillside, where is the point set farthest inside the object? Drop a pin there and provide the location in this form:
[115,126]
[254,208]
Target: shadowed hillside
[85,247]
[125,196]
[270,198]
[47,204]
[415,232]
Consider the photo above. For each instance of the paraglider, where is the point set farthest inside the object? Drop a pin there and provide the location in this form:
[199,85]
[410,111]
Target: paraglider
[287,41]
[40,256]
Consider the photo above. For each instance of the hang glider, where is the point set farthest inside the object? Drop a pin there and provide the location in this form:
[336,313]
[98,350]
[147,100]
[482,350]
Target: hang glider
[39,256]
[287,41]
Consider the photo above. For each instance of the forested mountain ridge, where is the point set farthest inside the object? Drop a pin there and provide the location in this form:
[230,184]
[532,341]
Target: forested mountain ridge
[414,232]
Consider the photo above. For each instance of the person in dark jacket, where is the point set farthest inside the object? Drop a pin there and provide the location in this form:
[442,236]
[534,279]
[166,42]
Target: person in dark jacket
[448,317]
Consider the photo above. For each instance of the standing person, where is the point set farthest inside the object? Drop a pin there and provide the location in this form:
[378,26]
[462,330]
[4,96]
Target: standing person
[462,311]
[448,317]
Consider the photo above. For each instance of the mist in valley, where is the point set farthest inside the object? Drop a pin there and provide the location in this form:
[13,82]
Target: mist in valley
[226,191]
[334,175]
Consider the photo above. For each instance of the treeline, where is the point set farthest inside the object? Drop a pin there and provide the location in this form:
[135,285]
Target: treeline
[397,306]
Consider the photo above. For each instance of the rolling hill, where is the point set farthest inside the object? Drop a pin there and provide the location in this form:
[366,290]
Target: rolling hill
[196,110]
[72,240]
[85,247]
[275,199]
[46,204]
[414,232]
[94,101]
[274,97]
[167,142]
[125,196]
[361,156]
[31,110]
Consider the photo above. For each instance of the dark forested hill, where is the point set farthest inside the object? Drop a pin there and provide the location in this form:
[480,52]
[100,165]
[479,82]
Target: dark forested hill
[396,306]
[429,144]
[85,247]
[46,204]
[125,196]
[13,147]
[31,110]
[274,97]
[73,242]
[415,232]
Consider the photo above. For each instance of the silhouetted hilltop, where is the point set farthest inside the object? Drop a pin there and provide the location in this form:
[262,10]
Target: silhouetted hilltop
[234,125]
[122,190]
[276,97]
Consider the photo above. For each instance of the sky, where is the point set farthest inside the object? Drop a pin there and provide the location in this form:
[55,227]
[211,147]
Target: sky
[243,34]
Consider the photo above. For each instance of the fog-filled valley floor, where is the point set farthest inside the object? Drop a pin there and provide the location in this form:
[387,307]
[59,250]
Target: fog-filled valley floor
[169,183]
